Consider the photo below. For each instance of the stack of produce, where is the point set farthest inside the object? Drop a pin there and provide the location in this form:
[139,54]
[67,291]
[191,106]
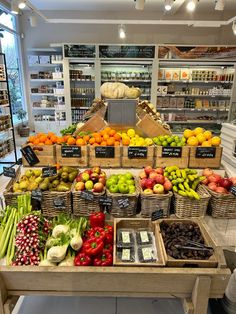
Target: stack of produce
[92,180]
[201,137]
[131,138]
[43,139]
[97,249]
[169,140]
[121,183]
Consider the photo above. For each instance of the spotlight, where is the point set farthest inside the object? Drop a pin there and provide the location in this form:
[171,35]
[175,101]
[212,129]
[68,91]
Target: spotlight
[191,5]
[121,29]
[168,5]
[14,7]
[234,27]
[21,5]
[220,5]
[33,21]
[139,4]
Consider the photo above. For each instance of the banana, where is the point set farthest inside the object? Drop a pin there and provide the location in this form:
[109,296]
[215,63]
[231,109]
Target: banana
[182,193]
[183,172]
[195,194]
[186,186]
[178,173]
[195,184]
[172,168]
[180,180]
[181,187]
[172,173]
[191,177]
[174,182]
[175,189]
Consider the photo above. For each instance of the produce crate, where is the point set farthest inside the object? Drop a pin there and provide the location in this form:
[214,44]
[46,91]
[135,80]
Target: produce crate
[94,124]
[105,156]
[203,157]
[186,207]
[132,156]
[208,241]
[152,128]
[151,203]
[222,205]
[45,153]
[137,224]
[166,156]
[72,161]
[54,203]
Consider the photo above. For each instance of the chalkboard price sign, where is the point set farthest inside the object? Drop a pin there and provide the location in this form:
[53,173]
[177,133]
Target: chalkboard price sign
[172,152]
[157,214]
[59,203]
[233,190]
[205,152]
[49,172]
[123,202]
[87,195]
[37,195]
[29,155]
[71,151]
[137,152]
[104,152]
[9,172]
[105,201]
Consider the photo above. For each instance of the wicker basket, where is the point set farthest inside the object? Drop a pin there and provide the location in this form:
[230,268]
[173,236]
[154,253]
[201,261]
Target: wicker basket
[50,203]
[83,207]
[186,207]
[152,202]
[222,205]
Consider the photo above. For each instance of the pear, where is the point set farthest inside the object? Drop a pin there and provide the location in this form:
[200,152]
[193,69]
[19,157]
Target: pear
[62,188]
[23,178]
[23,185]
[29,173]
[16,187]
[32,186]
[37,172]
[38,180]
[43,186]
[55,183]
[72,176]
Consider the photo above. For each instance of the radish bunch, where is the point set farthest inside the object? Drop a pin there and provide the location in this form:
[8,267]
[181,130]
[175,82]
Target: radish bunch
[32,232]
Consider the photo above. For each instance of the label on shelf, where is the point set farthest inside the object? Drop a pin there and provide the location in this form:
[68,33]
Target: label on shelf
[205,152]
[71,151]
[157,214]
[29,155]
[137,152]
[105,201]
[87,195]
[59,203]
[123,202]
[49,172]
[36,195]
[9,172]
[104,152]
[172,152]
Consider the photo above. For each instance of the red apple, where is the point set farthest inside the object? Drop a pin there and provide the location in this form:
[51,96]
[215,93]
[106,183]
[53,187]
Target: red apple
[159,170]
[225,183]
[147,170]
[79,177]
[214,178]
[89,171]
[79,186]
[143,183]
[96,170]
[207,172]
[222,190]
[102,180]
[158,189]
[160,179]
[167,185]
[233,179]
[148,191]
[152,174]
[142,174]
[98,187]
[212,186]
[94,177]
[102,174]
[150,183]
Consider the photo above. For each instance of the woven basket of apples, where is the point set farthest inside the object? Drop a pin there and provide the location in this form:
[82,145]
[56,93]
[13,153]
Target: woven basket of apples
[88,187]
[155,192]
[222,202]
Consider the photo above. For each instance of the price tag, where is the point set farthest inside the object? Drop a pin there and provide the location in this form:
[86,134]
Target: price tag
[233,190]
[137,152]
[87,195]
[29,155]
[157,214]
[172,152]
[105,201]
[205,152]
[71,151]
[9,172]
[37,195]
[104,151]
[49,172]
[59,203]
[123,202]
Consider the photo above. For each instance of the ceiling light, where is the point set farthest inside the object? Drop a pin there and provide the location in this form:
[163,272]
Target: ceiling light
[234,27]
[220,5]
[122,34]
[168,5]
[191,5]
[22,5]
[139,4]
[14,7]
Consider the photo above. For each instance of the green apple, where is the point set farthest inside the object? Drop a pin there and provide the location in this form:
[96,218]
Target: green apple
[89,185]
[130,182]
[115,177]
[114,188]
[110,181]
[122,180]
[128,176]
[123,188]
[132,189]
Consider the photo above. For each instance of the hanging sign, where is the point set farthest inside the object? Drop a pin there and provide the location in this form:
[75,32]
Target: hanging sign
[125,51]
[79,51]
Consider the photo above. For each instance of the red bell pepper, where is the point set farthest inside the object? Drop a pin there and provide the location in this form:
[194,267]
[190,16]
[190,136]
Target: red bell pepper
[108,229]
[93,246]
[97,219]
[103,260]
[109,238]
[82,259]
[96,232]
[108,248]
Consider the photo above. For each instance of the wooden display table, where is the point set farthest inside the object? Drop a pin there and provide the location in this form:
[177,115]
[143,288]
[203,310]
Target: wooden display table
[194,285]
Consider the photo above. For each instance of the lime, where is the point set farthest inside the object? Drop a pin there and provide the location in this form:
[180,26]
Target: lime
[169,140]
[173,144]
[164,143]
[158,143]
[166,137]
[161,138]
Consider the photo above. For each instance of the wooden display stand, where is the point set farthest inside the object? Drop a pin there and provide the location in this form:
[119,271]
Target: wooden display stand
[45,153]
[181,162]
[127,162]
[207,160]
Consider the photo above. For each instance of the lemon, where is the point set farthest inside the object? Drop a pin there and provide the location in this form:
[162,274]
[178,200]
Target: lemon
[148,141]
[131,133]
[188,133]
[201,138]
[198,130]
[136,136]
[206,144]
[192,141]
[207,134]
[215,141]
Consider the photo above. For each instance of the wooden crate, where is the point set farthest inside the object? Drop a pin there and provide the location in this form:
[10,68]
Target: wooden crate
[73,161]
[205,162]
[181,162]
[137,223]
[45,153]
[172,262]
[105,162]
[152,128]
[127,162]
[94,124]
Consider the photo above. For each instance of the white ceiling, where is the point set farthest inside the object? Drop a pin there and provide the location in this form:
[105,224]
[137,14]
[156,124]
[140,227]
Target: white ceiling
[120,5]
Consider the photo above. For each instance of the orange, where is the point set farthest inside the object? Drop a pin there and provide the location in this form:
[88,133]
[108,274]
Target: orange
[43,138]
[41,144]
[112,132]
[92,140]
[58,166]
[60,140]
[80,142]
[102,132]
[126,141]
[117,137]
[50,134]
[54,138]
[95,134]
[95,144]
[215,141]
[188,133]
[103,143]
[98,139]
[86,138]
[31,139]
[207,134]
[105,136]
[107,129]
[65,138]
[110,141]
[48,142]
[71,141]
[201,138]
[198,130]
[36,141]
[192,141]
[206,144]
[117,143]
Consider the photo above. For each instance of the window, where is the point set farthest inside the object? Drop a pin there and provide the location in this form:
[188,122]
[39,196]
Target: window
[9,46]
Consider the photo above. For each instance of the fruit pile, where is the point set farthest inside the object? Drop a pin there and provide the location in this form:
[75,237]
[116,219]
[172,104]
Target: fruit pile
[43,139]
[169,140]
[184,181]
[121,183]
[153,181]
[92,180]
[217,183]
[131,138]
[32,180]
[201,137]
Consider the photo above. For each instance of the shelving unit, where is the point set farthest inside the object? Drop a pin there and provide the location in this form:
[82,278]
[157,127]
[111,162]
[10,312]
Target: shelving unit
[8,154]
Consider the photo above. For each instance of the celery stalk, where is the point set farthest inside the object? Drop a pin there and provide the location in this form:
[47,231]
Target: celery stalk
[6,234]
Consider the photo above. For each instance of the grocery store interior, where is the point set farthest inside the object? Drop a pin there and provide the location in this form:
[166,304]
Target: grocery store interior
[126,108]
